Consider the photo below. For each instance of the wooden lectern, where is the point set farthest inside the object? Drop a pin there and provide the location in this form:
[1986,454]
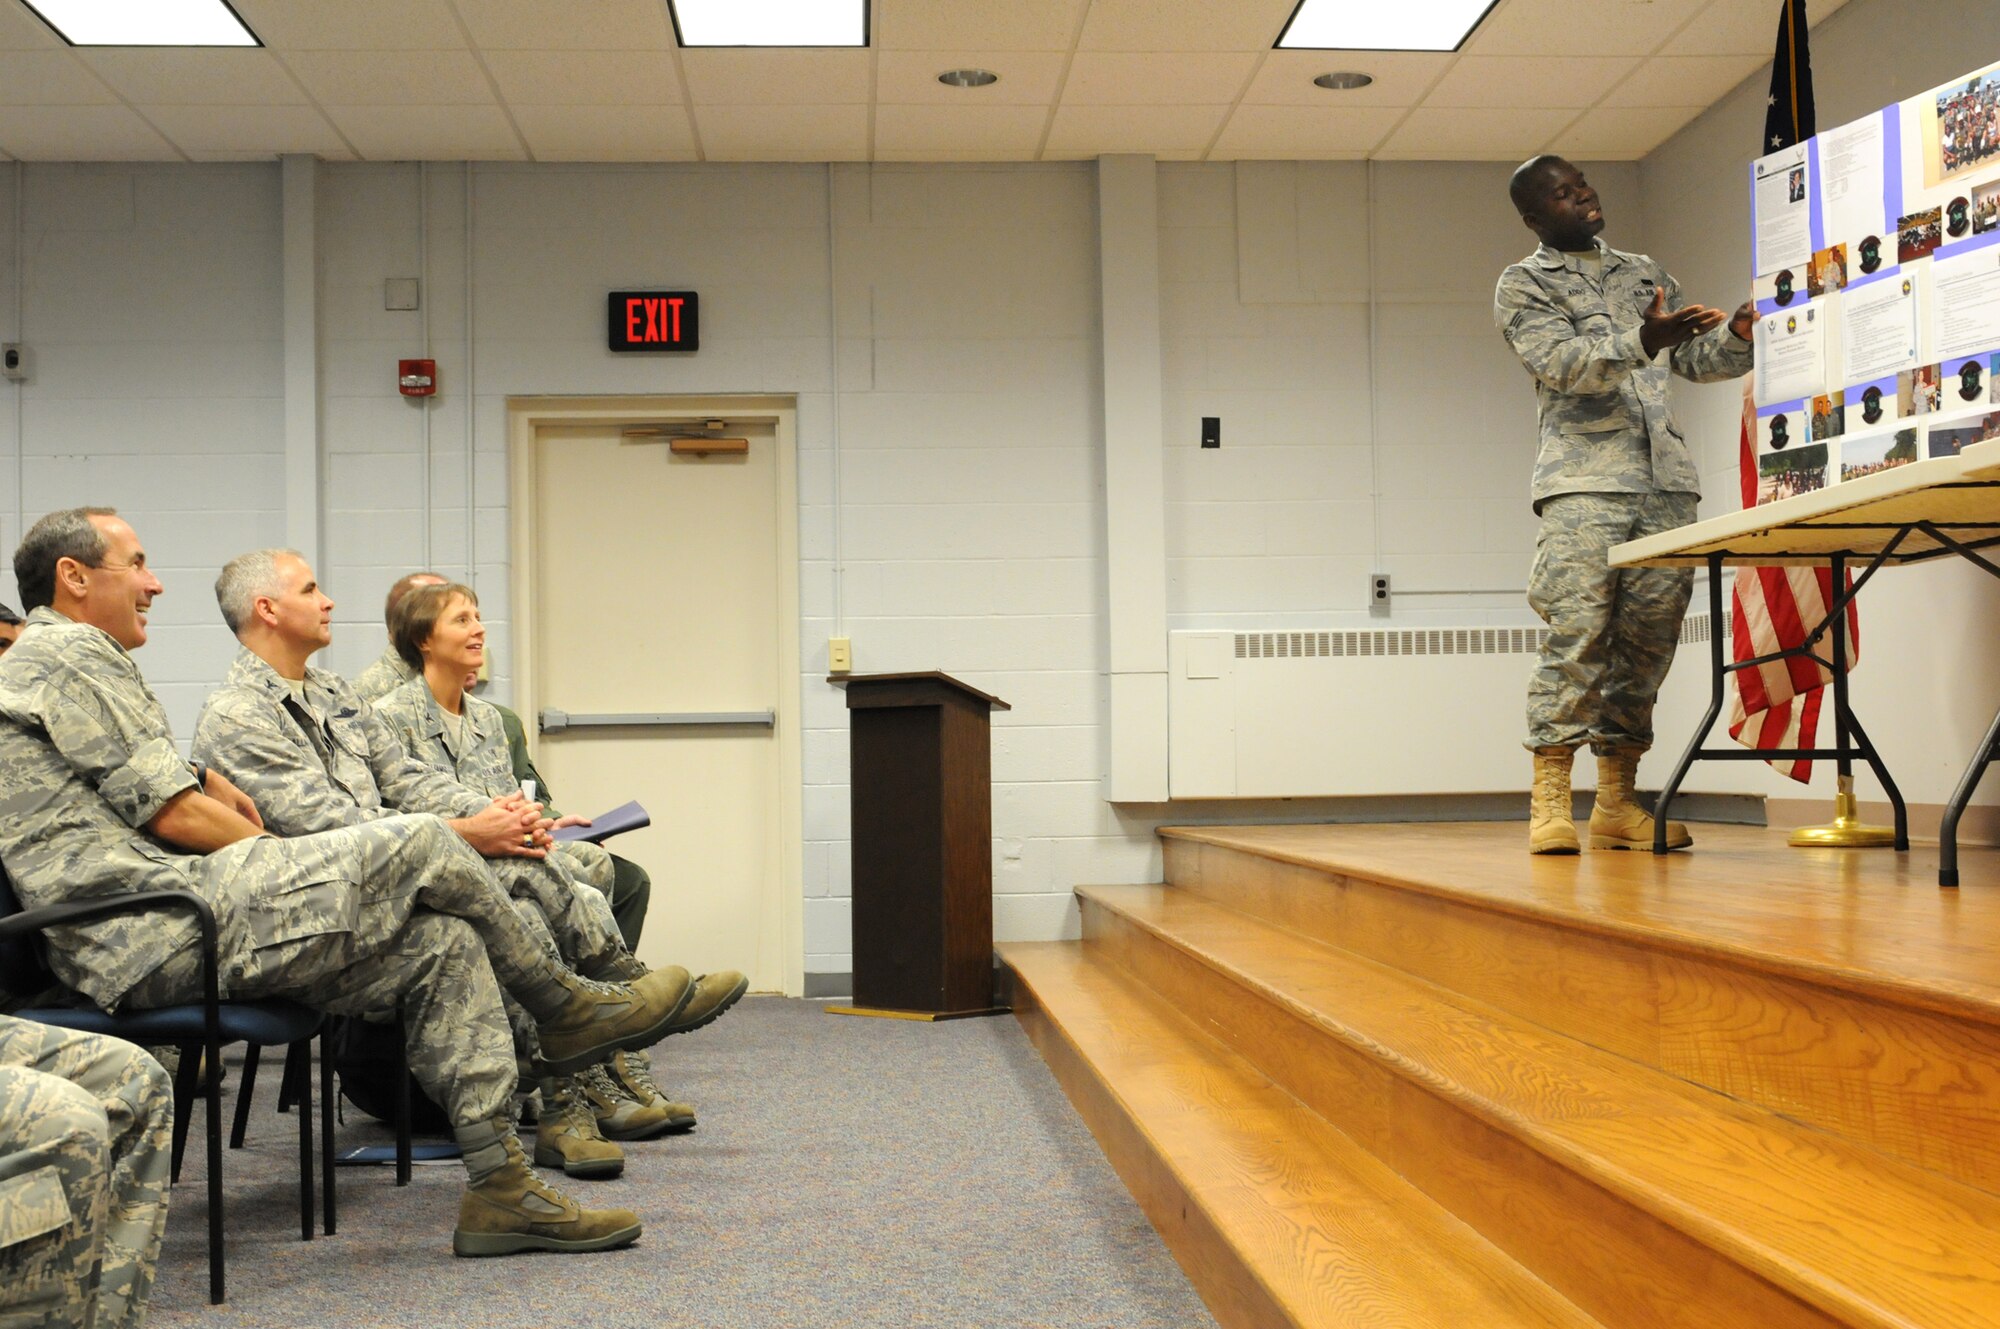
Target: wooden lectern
[920,770]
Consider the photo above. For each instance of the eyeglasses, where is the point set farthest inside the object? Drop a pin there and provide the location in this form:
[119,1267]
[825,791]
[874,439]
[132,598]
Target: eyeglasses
[137,564]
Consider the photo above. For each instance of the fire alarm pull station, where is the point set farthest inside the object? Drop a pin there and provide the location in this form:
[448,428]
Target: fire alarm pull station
[417,378]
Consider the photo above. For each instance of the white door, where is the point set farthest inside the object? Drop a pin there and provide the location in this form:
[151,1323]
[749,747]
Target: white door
[663,586]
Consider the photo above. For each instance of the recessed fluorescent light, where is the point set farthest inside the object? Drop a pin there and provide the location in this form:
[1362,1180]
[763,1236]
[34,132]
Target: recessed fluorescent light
[968,78]
[144,22]
[1407,25]
[770,22]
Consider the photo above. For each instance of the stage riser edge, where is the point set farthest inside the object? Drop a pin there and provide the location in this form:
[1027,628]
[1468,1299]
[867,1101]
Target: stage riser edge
[1918,1084]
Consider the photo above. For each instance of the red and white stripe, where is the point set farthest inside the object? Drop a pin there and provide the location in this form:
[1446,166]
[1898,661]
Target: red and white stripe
[1777,704]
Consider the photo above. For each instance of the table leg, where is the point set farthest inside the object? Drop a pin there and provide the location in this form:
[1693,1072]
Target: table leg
[1989,750]
[1718,681]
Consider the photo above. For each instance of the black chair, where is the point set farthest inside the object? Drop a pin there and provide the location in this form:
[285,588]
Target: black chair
[200,1030]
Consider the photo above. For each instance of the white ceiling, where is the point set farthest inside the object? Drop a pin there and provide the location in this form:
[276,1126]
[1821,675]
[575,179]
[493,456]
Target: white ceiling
[602,80]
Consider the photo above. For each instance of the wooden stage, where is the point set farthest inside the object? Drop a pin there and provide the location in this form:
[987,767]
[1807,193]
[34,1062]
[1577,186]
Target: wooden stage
[1409,1075]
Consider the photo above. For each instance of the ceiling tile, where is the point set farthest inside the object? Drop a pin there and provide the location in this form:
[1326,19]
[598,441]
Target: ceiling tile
[353,25]
[203,77]
[1730,27]
[1164,131]
[574,25]
[49,78]
[606,133]
[22,31]
[942,25]
[392,78]
[1685,80]
[81,133]
[1622,134]
[776,77]
[783,133]
[1583,27]
[585,78]
[1305,132]
[437,133]
[1401,77]
[1010,133]
[261,130]
[1433,134]
[1184,25]
[1507,82]
[1123,78]
[1027,78]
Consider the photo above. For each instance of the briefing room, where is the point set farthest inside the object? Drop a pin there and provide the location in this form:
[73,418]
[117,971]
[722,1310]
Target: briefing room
[1065,663]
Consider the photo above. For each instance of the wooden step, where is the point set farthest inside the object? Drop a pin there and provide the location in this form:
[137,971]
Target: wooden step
[1644,1199]
[1278,1219]
[1839,987]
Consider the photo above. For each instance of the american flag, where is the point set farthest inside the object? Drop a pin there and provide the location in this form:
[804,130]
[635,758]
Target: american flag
[1777,705]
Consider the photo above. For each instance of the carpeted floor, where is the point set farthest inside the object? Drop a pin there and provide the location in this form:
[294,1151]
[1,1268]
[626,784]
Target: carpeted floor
[846,1172]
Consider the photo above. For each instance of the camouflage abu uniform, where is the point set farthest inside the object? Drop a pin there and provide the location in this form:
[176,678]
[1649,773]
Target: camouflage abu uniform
[631,885]
[86,1139]
[331,761]
[383,677]
[1611,467]
[352,921]
[478,759]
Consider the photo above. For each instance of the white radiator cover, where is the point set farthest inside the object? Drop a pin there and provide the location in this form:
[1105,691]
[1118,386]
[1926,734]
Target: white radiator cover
[1380,711]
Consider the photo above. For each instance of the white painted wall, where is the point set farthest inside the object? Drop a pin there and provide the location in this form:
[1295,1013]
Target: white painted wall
[1925,687]
[1268,279]
[150,298]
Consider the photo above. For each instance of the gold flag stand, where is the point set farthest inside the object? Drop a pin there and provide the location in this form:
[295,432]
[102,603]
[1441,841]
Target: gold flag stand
[1846,830]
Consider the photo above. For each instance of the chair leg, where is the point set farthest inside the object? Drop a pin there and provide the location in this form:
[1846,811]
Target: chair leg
[184,1086]
[296,1066]
[288,1088]
[402,1111]
[214,1115]
[327,1111]
[242,1119]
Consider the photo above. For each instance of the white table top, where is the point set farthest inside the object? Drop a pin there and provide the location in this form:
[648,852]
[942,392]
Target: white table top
[1856,518]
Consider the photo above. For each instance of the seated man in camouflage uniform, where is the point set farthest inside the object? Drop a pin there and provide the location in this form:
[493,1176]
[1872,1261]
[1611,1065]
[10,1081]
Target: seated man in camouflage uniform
[1590,324]
[314,756]
[444,726]
[86,1139]
[623,881]
[397,915]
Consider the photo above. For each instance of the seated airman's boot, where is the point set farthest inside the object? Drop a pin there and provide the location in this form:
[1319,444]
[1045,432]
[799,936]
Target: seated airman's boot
[597,1019]
[1617,821]
[566,1134]
[713,994]
[1551,824]
[510,1209]
[627,1104]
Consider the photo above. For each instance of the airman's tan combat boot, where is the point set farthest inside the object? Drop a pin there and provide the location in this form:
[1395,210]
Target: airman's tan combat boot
[713,994]
[597,1019]
[627,1104]
[1551,825]
[510,1209]
[1617,821]
[566,1134]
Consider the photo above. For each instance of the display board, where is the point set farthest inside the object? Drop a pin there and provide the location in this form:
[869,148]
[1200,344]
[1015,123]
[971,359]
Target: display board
[1876,267]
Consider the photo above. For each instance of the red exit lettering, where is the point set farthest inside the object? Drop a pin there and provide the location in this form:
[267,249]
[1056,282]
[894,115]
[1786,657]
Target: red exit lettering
[653,319]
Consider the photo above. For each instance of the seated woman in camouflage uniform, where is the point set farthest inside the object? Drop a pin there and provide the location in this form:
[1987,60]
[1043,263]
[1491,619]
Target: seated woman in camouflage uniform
[438,632]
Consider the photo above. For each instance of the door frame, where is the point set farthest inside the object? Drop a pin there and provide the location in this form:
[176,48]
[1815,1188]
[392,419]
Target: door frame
[784,902]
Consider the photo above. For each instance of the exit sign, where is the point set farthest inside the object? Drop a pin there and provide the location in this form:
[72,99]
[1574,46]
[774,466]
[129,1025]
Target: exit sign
[654,320]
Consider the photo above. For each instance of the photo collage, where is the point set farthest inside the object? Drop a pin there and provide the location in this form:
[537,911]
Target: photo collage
[1877,283]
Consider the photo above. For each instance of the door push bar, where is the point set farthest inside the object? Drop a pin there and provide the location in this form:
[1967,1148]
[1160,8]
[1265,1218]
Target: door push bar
[552,720]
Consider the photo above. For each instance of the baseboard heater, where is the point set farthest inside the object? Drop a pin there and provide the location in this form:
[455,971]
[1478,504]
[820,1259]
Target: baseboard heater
[1378,711]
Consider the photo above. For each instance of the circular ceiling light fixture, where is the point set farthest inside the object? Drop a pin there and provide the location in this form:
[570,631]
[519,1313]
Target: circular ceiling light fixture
[968,78]
[1345,80]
